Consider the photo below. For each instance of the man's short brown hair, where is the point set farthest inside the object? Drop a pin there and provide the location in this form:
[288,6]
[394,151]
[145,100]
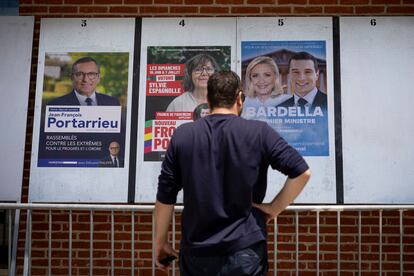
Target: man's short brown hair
[223,88]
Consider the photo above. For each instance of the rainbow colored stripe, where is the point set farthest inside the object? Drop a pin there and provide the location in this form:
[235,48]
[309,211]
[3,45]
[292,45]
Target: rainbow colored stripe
[148,137]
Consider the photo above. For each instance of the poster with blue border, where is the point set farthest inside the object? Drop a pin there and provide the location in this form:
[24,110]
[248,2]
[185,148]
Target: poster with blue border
[75,133]
[285,83]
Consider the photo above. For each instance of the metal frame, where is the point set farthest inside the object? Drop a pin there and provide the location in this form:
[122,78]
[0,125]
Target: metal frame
[29,207]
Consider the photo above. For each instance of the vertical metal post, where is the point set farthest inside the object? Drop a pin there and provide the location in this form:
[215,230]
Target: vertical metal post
[70,242]
[15,235]
[132,243]
[112,242]
[401,242]
[173,240]
[338,248]
[91,243]
[28,245]
[297,241]
[153,244]
[275,247]
[49,252]
[380,242]
[9,252]
[359,243]
[317,242]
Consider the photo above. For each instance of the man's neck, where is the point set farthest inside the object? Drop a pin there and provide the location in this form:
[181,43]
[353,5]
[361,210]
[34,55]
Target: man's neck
[304,94]
[200,94]
[223,110]
[235,109]
[85,94]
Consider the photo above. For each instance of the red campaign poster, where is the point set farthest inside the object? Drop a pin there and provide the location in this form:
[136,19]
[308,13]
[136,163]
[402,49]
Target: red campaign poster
[176,90]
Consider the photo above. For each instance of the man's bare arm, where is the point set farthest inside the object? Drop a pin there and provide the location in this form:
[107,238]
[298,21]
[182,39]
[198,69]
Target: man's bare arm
[163,216]
[291,189]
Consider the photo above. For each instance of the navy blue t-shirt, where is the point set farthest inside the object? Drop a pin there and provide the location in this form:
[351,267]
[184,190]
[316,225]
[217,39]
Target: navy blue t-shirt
[221,163]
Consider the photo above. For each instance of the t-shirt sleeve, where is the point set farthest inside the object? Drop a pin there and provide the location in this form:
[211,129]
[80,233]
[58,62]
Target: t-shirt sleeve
[281,155]
[169,181]
[171,107]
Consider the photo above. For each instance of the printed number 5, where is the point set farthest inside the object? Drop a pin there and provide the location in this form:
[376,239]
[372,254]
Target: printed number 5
[280,22]
[83,23]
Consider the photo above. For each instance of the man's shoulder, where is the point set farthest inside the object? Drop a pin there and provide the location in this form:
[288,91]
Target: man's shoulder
[321,99]
[104,99]
[188,126]
[321,95]
[68,99]
[184,102]
[288,102]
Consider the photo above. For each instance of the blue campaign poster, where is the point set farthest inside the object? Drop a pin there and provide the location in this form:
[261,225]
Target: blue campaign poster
[285,83]
[75,132]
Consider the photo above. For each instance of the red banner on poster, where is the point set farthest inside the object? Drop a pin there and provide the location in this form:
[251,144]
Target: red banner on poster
[169,88]
[165,69]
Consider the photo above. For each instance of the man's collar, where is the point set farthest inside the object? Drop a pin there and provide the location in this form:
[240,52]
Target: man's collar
[82,98]
[309,97]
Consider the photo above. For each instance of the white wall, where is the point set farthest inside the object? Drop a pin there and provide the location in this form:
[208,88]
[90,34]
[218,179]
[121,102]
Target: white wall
[16,38]
[377,109]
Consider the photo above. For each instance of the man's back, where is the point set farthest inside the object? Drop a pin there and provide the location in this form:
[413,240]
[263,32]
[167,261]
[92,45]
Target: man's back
[222,163]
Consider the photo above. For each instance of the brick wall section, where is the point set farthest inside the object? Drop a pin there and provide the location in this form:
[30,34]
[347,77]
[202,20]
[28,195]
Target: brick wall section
[286,243]
[286,239]
[122,8]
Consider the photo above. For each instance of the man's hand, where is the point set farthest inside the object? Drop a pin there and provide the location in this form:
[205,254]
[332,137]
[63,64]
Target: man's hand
[268,210]
[163,251]
[163,215]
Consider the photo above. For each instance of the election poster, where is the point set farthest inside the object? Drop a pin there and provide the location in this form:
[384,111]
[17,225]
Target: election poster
[82,112]
[176,84]
[285,83]
[84,102]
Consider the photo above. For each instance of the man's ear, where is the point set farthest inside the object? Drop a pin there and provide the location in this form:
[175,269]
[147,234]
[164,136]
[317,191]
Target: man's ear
[240,98]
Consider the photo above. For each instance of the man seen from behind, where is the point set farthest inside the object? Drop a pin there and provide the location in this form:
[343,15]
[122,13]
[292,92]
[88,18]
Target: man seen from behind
[221,162]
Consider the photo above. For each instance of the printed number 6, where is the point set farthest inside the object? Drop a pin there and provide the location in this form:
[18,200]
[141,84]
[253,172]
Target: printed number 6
[373,22]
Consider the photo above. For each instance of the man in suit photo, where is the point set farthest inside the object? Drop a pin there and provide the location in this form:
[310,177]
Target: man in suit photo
[85,77]
[113,159]
[304,74]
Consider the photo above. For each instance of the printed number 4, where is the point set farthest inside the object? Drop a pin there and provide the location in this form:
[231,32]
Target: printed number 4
[182,23]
